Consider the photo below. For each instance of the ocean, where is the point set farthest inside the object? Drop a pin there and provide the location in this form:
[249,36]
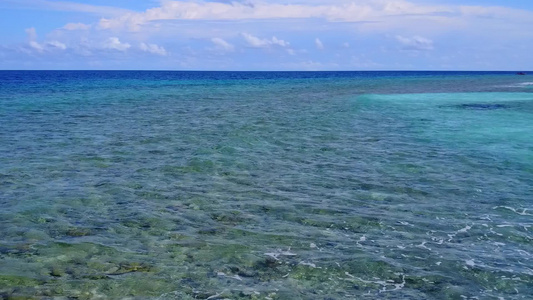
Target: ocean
[266,185]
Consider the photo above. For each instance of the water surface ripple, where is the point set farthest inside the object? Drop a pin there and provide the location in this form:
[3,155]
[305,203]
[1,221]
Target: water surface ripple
[200,185]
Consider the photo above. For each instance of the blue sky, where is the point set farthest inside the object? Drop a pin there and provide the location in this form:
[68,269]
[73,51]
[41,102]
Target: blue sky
[267,35]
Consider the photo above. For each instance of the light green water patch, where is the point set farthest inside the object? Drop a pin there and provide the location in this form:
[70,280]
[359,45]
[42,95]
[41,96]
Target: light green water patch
[494,124]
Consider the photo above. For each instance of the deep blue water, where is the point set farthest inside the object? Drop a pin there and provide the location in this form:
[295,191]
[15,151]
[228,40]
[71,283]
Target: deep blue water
[266,185]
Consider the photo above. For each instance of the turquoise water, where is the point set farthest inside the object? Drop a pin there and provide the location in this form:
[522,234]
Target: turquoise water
[198,185]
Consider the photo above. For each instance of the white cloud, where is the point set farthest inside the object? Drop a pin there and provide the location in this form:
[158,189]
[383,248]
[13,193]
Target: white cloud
[414,25]
[77,26]
[223,45]
[32,37]
[336,11]
[319,44]
[256,42]
[372,15]
[69,6]
[154,49]
[348,11]
[276,41]
[36,46]
[32,34]
[115,44]
[416,43]
[41,47]
[57,45]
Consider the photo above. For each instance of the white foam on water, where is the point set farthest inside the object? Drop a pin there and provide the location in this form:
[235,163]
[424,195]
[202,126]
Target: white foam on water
[279,252]
[522,213]
[494,232]
[216,295]
[386,285]
[517,85]
[273,255]
[464,229]
[451,236]
[405,223]
[361,239]
[349,275]
[470,263]
[236,277]
[423,246]
[439,241]
[397,286]
[486,217]
[504,225]
[309,264]
[222,274]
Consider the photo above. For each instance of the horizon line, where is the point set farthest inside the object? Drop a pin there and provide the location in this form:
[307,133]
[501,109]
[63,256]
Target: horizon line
[264,71]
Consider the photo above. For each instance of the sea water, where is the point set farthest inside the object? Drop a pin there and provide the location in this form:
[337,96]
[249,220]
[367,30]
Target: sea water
[266,185]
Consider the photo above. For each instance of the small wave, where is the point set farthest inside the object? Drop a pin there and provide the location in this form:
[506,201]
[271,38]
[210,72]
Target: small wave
[518,85]
[515,210]
[470,263]
[386,285]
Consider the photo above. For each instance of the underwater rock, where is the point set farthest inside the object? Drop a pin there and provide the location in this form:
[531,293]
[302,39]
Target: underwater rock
[57,272]
[211,230]
[18,281]
[78,232]
[97,277]
[130,267]
[37,235]
[15,296]
[24,249]
[228,218]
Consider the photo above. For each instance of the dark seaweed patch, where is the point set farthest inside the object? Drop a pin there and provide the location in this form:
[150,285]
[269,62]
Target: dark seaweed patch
[483,106]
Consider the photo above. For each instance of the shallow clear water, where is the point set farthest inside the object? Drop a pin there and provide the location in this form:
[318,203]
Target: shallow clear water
[196,185]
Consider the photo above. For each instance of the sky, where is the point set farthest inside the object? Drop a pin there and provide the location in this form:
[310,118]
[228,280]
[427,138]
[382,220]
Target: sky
[266,35]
